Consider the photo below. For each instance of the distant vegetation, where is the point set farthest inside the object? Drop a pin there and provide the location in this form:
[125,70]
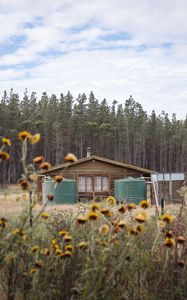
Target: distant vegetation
[118,131]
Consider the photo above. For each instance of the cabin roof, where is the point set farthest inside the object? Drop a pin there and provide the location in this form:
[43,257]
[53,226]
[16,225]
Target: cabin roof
[98,158]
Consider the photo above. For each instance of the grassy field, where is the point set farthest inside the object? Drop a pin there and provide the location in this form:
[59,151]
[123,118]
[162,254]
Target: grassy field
[91,251]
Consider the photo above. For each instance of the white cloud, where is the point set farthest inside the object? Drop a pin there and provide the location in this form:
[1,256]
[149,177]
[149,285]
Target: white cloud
[154,74]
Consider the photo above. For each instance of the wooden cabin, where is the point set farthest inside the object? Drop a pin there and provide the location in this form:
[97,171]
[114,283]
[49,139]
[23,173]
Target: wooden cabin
[95,175]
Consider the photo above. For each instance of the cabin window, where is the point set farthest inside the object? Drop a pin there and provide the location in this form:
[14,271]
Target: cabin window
[93,183]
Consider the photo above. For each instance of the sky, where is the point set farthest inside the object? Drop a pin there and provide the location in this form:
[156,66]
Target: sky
[114,48]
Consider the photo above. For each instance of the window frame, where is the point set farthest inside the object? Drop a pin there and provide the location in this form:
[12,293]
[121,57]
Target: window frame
[93,176]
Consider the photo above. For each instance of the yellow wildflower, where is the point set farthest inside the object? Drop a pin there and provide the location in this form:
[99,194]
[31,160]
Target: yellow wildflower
[167,218]
[45,251]
[94,206]
[82,220]
[69,248]
[58,178]
[131,206]
[58,252]
[63,233]
[144,204]
[33,270]
[169,242]
[6,141]
[93,216]
[169,234]
[121,224]
[82,245]
[141,217]
[38,159]
[122,209]
[23,135]
[34,249]
[181,239]
[67,238]
[4,155]
[133,231]
[50,197]
[106,212]
[45,166]
[33,139]
[24,184]
[140,228]
[111,200]
[70,158]
[39,264]
[104,229]
[45,215]
[67,253]
[3,222]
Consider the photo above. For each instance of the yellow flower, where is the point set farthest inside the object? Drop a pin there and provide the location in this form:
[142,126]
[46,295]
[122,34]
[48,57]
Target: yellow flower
[141,217]
[82,245]
[24,184]
[82,220]
[3,222]
[34,249]
[67,238]
[33,139]
[167,218]
[50,197]
[39,264]
[58,178]
[104,229]
[4,155]
[169,234]
[94,206]
[6,141]
[69,248]
[45,215]
[70,157]
[17,231]
[23,135]
[93,216]
[63,233]
[144,204]
[45,251]
[133,231]
[121,224]
[122,209]
[181,239]
[58,252]
[38,159]
[169,242]
[67,253]
[140,228]
[106,212]
[111,200]
[131,206]
[45,165]
[33,270]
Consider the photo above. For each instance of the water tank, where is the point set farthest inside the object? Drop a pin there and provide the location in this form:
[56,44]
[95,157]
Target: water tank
[63,192]
[130,189]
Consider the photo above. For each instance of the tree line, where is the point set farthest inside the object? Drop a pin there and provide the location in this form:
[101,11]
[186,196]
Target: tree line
[123,132]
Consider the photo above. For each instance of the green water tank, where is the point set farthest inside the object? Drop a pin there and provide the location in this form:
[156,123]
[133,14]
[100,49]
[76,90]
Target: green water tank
[130,189]
[64,192]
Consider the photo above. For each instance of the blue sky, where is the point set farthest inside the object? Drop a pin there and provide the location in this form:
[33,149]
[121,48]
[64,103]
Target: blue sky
[115,48]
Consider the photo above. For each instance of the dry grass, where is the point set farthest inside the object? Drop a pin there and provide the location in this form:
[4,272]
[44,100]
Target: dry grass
[13,200]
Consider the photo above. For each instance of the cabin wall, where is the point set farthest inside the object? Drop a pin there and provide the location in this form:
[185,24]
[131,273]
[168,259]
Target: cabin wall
[95,167]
